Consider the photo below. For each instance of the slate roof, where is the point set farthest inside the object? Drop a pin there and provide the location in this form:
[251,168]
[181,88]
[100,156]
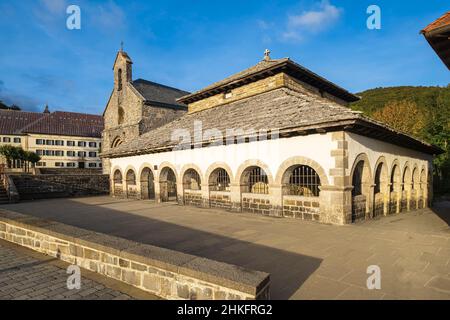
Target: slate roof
[155,93]
[267,68]
[56,123]
[282,109]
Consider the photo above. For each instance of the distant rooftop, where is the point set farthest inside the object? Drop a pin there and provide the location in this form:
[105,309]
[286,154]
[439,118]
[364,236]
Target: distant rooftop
[55,123]
[437,34]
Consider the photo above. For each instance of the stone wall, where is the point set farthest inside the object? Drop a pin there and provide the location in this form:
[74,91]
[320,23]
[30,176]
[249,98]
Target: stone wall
[154,117]
[193,198]
[220,199]
[256,203]
[378,209]
[305,208]
[59,186]
[359,208]
[393,203]
[166,273]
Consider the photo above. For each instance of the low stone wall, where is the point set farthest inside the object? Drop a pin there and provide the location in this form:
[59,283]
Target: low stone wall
[118,191]
[305,208]
[256,203]
[393,203]
[166,273]
[193,198]
[358,208]
[133,192]
[378,209]
[32,187]
[70,171]
[220,199]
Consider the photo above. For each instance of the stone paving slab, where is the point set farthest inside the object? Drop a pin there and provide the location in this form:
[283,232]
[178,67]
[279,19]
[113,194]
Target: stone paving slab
[306,260]
[28,275]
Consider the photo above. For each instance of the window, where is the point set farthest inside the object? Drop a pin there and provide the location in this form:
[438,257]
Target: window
[119,80]
[131,178]
[256,181]
[41,164]
[17,140]
[191,180]
[92,154]
[82,143]
[59,164]
[6,139]
[71,154]
[92,144]
[59,153]
[81,154]
[59,142]
[71,164]
[49,142]
[219,180]
[92,165]
[40,141]
[71,143]
[117,177]
[40,152]
[121,115]
[304,181]
[100,165]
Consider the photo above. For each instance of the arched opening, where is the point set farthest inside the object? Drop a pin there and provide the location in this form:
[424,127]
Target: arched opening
[361,189]
[121,115]
[422,190]
[118,181]
[406,192]
[168,185]
[380,189]
[147,184]
[219,180]
[119,80]
[415,189]
[301,189]
[254,180]
[116,142]
[191,180]
[396,189]
[131,184]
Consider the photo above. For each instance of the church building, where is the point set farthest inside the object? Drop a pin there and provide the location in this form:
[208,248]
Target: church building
[275,139]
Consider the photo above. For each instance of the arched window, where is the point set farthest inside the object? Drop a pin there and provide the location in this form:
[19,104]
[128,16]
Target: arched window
[304,181]
[377,188]
[121,115]
[357,179]
[219,180]
[119,79]
[117,177]
[131,178]
[255,181]
[191,180]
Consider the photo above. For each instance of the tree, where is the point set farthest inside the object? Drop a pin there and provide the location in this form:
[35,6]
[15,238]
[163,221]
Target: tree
[402,115]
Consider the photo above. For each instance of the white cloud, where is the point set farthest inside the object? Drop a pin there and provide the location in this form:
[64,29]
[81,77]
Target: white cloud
[322,17]
[109,16]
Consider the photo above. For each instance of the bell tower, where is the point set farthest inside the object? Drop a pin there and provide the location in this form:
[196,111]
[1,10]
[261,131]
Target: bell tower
[122,69]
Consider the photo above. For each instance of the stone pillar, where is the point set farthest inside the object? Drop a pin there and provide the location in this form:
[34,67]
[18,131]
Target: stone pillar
[370,201]
[205,195]
[180,193]
[276,200]
[157,191]
[336,198]
[235,197]
[106,165]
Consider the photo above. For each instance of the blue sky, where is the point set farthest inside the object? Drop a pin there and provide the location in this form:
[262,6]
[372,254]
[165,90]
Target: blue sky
[190,44]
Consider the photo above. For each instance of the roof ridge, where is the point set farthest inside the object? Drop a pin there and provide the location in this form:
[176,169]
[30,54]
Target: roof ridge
[158,84]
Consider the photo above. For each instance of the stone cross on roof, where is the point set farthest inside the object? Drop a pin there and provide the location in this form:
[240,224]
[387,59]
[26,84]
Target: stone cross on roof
[267,55]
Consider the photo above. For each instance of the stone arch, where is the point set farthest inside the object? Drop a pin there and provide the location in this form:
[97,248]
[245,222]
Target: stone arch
[243,176]
[167,180]
[117,141]
[407,186]
[361,177]
[147,182]
[422,188]
[395,179]
[218,165]
[193,166]
[131,183]
[381,186]
[117,181]
[295,161]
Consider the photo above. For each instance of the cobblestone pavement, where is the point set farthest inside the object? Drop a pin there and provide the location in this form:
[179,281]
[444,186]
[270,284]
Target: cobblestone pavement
[306,260]
[27,275]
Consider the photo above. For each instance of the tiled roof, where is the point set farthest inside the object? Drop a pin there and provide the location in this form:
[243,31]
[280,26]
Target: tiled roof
[159,94]
[281,109]
[443,21]
[57,123]
[266,68]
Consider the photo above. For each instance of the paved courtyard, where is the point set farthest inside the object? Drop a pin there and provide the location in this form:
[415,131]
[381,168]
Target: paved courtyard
[306,260]
[28,275]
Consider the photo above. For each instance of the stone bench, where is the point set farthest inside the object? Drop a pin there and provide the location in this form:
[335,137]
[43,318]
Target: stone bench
[166,273]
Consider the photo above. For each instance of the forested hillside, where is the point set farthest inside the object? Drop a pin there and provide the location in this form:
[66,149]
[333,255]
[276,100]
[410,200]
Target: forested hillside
[421,111]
